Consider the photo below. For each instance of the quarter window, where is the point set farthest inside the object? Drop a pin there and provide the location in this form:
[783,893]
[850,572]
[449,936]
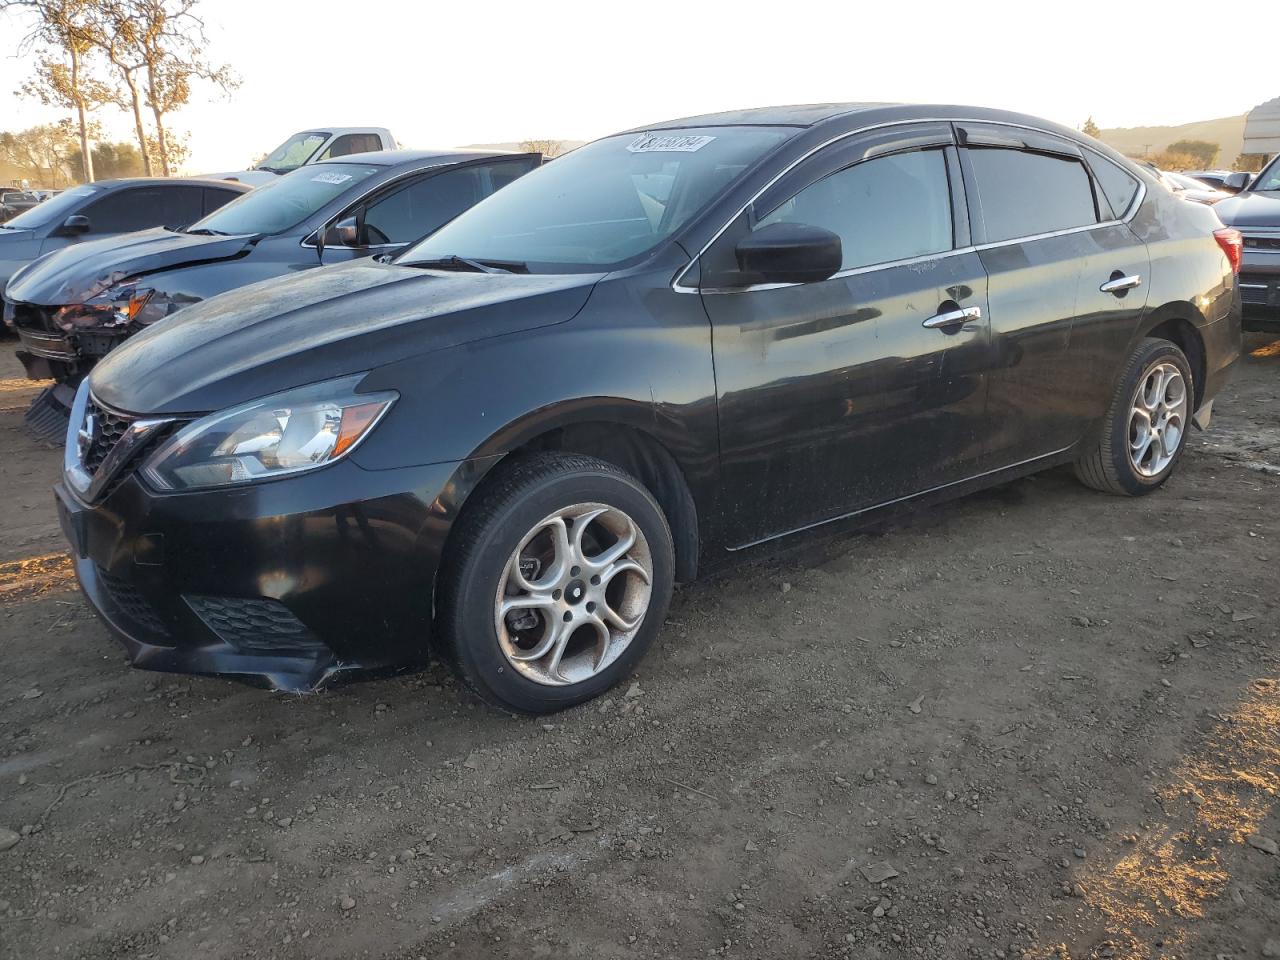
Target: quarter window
[1118,186]
[1022,194]
[888,208]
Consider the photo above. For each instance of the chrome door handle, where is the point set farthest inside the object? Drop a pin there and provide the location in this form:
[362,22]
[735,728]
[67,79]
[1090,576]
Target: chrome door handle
[952,317]
[1120,284]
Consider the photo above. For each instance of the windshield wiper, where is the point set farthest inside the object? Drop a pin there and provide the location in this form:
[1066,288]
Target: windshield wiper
[478,266]
[276,169]
[207,232]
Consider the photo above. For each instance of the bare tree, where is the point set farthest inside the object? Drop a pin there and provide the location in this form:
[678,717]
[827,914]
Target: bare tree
[65,26]
[548,148]
[41,152]
[158,44]
[118,37]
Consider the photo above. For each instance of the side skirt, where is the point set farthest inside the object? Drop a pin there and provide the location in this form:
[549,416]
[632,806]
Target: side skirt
[939,494]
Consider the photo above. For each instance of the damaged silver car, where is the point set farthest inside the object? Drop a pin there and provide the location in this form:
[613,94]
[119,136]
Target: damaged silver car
[74,306]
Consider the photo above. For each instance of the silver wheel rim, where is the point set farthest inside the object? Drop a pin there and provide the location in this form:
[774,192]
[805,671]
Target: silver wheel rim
[573,594]
[1158,418]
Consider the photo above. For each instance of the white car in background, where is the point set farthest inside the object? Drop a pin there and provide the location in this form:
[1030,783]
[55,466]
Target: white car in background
[312,146]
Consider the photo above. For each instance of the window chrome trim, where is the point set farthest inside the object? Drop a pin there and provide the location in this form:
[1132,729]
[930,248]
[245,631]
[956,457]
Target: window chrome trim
[852,271]
[897,500]
[679,287]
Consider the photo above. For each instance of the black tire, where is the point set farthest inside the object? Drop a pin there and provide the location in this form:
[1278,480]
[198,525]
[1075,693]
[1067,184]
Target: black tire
[1105,465]
[492,525]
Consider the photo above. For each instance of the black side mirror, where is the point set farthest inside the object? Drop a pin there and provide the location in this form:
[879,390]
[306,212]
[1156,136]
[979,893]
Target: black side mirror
[789,253]
[344,233]
[75,224]
[1235,182]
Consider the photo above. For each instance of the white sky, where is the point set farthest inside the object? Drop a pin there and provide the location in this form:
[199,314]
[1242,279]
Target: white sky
[445,73]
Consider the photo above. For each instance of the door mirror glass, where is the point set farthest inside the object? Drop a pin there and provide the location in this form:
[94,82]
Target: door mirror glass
[1235,182]
[789,253]
[75,224]
[344,233]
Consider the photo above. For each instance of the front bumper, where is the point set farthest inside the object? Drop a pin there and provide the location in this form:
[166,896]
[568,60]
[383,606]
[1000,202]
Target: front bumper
[1260,284]
[47,351]
[287,583]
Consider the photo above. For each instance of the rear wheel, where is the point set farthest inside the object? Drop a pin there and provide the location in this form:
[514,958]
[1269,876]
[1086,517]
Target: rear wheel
[1144,433]
[557,581]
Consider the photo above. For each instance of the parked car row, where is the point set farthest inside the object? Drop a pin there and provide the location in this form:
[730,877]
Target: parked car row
[506,441]
[73,306]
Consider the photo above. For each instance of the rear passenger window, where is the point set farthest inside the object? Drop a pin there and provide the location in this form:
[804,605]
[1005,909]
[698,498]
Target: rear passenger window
[1118,186]
[139,208]
[890,208]
[1022,194]
[350,143]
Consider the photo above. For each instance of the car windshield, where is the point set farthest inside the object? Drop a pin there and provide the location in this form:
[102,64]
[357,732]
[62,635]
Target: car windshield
[1268,179]
[603,204]
[286,202]
[294,152]
[55,208]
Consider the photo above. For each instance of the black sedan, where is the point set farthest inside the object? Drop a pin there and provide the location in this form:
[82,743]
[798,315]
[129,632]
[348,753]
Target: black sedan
[626,369]
[75,305]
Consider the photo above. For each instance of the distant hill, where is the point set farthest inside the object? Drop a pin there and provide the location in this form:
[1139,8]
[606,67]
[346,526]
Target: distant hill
[1227,132]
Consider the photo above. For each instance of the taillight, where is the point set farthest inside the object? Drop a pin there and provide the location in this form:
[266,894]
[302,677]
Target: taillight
[1232,243]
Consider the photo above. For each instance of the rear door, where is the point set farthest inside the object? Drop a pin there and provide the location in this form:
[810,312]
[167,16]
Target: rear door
[869,386]
[1044,232]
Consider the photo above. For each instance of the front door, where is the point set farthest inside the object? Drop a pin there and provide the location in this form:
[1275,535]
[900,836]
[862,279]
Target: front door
[840,395]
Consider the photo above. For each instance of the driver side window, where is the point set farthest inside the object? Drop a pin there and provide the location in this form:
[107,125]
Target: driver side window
[888,208]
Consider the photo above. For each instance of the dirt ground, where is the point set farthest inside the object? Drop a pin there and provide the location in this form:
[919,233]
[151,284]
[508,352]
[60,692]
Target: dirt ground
[1038,722]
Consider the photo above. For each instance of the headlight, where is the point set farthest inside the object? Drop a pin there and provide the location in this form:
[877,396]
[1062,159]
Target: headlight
[273,437]
[119,305]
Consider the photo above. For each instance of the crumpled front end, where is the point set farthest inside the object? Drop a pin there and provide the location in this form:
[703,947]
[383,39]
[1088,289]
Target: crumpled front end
[63,343]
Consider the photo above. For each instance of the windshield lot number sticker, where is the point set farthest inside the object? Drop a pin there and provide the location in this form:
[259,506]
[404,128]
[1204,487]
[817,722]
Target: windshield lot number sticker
[653,143]
[331,178]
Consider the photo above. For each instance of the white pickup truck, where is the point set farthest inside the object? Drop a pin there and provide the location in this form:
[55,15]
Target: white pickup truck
[310,146]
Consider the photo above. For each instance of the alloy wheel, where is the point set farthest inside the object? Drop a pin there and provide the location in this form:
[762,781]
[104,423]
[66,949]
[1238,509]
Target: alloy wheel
[573,594]
[1157,420]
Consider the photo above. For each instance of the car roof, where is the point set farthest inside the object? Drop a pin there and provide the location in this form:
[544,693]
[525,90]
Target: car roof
[394,158]
[123,182]
[795,115]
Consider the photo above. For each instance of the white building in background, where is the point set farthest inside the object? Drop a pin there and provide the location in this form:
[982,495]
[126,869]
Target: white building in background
[1262,129]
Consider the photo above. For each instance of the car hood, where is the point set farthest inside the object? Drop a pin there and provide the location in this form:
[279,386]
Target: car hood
[1250,210]
[324,323]
[81,271]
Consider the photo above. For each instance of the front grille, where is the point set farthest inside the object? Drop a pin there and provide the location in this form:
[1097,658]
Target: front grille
[1255,288]
[255,625]
[1262,243]
[31,316]
[126,598]
[109,427]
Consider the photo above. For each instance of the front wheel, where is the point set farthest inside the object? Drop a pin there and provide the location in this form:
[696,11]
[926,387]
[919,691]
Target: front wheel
[556,582]
[1145,429]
